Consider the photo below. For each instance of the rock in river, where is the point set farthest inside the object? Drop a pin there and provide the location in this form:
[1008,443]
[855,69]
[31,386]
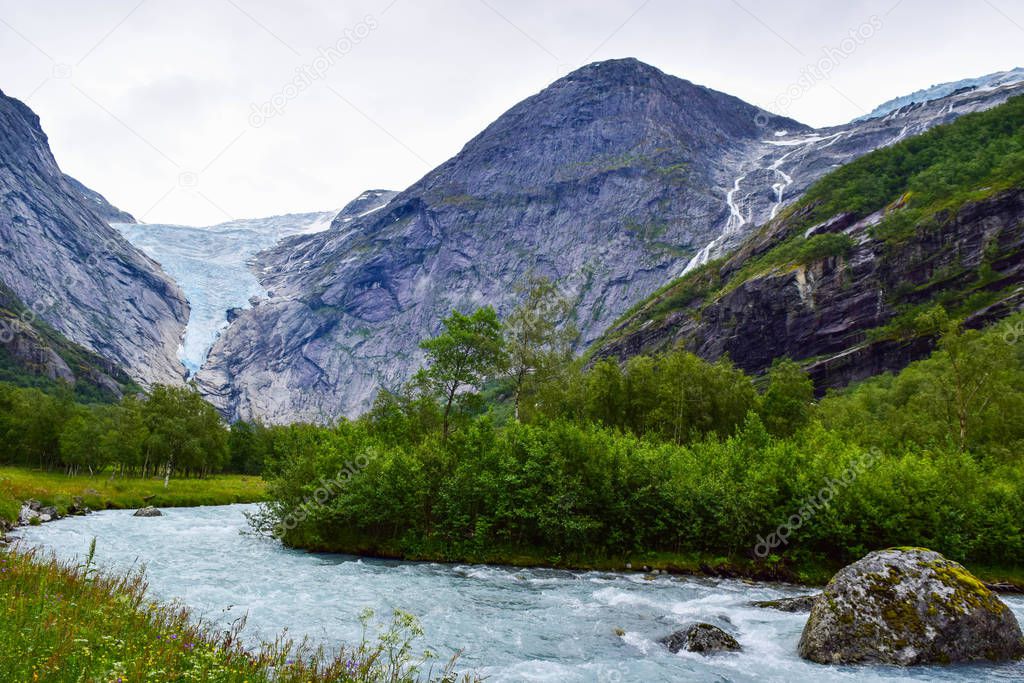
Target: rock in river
[148,511]
[703,638]
[909,606]
[802,603]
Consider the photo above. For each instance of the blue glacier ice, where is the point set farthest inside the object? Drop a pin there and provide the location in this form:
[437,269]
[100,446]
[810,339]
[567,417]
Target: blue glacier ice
[211,264]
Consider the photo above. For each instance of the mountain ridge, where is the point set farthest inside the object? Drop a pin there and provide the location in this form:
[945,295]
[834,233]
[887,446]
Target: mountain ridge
[611,181]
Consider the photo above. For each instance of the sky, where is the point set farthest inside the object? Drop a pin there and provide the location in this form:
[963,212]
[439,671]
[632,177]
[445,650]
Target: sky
[200,111]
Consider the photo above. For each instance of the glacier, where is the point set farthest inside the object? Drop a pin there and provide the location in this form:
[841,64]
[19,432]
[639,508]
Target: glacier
[212,264]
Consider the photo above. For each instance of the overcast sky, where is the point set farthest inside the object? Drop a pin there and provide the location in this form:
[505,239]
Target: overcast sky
[199,111]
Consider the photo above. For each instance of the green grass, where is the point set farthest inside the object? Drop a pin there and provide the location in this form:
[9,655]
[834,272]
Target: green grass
[63,623]
[102,492]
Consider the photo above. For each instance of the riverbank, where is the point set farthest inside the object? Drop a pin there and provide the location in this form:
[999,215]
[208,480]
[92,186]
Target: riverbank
[65,623]
[809,573]
[103,492]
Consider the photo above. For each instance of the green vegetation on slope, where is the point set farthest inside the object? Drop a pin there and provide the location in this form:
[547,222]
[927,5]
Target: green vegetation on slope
[17,320]
[976,156]
[66,624]
[919,182]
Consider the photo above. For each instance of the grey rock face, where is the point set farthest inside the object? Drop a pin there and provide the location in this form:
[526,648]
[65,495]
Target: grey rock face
[909,606]
[148,511]
[612,181]
[823,310]
[71,269]
[38,351]
[99,203]
[782,167]
[703,638]
[607,181]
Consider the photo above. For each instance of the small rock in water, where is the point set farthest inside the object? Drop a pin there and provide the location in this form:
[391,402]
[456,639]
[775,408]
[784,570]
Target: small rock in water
[908,606]
[148,511]
[703,638]
[801,603]
[26,515]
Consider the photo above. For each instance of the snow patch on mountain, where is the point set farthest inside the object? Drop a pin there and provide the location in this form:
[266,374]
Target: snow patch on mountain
[935,92]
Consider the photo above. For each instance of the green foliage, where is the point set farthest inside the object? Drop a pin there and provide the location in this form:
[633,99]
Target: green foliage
[173,429]
[670,454]
[976,155]
[965,397]
[468,351]
[538,344]
[785,406]
[673,396]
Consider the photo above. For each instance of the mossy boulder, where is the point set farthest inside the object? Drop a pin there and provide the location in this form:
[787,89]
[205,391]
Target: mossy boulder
[908,606]
[703,638]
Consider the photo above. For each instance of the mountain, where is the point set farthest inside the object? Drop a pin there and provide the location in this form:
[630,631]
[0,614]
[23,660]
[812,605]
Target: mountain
[935,92]
[33,354]
[785,165]
[99,203]
[606,181]
[72,270]
[848,278]
[212,264]
[613,181]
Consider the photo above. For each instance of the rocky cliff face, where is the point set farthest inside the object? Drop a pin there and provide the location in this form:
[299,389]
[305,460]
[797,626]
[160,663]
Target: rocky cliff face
[832,312]
[70,269]
[607,181]
[31,350]
[612,181]
[99,204]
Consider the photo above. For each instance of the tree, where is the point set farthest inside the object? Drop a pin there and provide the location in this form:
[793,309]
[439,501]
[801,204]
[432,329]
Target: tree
[786,403]
[468,351]
[185,432]
[539,340]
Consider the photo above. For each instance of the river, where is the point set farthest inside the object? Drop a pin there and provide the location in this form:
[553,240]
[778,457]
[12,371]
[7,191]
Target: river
[512,624]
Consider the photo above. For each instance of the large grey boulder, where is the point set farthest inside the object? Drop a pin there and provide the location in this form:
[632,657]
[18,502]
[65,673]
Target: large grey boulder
[909,606]
[148,511]
[703,638]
